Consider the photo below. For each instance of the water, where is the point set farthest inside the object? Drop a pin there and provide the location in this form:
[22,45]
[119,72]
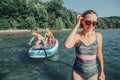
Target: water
[16,65]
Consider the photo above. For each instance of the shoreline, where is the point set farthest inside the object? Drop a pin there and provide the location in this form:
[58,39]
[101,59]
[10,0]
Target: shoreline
[29,31]
[26,31]
[13,31]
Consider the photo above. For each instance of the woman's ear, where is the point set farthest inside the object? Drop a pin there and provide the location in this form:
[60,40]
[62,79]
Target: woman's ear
[82,19]
[81,23]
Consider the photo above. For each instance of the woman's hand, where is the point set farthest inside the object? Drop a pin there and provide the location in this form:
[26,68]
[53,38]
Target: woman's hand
[78,20]
[101,76]
[71,38]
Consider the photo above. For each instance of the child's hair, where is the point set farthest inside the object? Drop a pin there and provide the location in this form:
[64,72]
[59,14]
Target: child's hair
[48,27]
[34,30]
[86,13]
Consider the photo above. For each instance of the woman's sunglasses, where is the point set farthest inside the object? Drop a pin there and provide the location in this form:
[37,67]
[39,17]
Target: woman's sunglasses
[90,22]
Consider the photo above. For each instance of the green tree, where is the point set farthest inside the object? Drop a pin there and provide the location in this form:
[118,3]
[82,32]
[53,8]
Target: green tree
[4,24]
[9,8]
[40,15]
[25,14]
[58,24]
[27,23]
[13,23]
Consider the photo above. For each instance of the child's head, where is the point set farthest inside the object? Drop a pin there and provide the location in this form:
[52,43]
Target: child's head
[34,30]
[47,29]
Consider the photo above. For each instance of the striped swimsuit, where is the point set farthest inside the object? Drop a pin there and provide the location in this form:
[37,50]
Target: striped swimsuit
[85,63]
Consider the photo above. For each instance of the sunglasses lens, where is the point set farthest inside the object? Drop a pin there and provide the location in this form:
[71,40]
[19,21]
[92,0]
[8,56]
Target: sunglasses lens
[90,22]
[87,22]
[95,23]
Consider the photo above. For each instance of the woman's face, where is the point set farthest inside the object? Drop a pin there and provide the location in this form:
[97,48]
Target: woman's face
[89,22]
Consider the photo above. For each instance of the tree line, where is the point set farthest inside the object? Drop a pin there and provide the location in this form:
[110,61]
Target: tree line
[26,14]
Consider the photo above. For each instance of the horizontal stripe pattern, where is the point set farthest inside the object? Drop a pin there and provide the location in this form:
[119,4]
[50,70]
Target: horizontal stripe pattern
[85,63]
[87,50]
[85,68]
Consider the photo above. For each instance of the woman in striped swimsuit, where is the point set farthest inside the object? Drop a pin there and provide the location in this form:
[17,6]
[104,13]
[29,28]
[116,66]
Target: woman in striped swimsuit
[88,46]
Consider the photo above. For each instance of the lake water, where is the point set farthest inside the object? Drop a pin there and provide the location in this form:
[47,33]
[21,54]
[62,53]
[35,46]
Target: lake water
[16,65]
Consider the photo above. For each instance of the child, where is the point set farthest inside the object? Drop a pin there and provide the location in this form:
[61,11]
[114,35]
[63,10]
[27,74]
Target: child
[36,35]
[49,36]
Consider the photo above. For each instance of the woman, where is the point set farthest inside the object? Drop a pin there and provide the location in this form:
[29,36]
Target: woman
[88,46]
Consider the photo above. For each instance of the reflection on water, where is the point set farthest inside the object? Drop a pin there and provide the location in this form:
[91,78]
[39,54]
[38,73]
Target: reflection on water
[16,65]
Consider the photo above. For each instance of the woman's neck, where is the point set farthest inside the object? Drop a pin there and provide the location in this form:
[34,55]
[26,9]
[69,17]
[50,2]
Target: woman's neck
[87,33]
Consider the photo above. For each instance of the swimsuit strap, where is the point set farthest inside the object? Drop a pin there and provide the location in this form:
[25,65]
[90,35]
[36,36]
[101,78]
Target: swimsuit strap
[80,38]
[96,36]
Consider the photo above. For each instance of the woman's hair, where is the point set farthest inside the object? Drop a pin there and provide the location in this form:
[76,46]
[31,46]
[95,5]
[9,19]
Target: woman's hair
[86,13]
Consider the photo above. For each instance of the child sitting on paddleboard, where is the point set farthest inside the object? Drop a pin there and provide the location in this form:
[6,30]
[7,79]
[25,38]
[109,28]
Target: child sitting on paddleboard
[49,36]
[36,35]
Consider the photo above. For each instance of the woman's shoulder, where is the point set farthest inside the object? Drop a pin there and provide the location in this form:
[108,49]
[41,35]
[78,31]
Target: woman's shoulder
[98,34]
[77,36]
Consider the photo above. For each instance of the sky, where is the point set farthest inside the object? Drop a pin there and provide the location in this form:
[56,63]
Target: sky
[104,8]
